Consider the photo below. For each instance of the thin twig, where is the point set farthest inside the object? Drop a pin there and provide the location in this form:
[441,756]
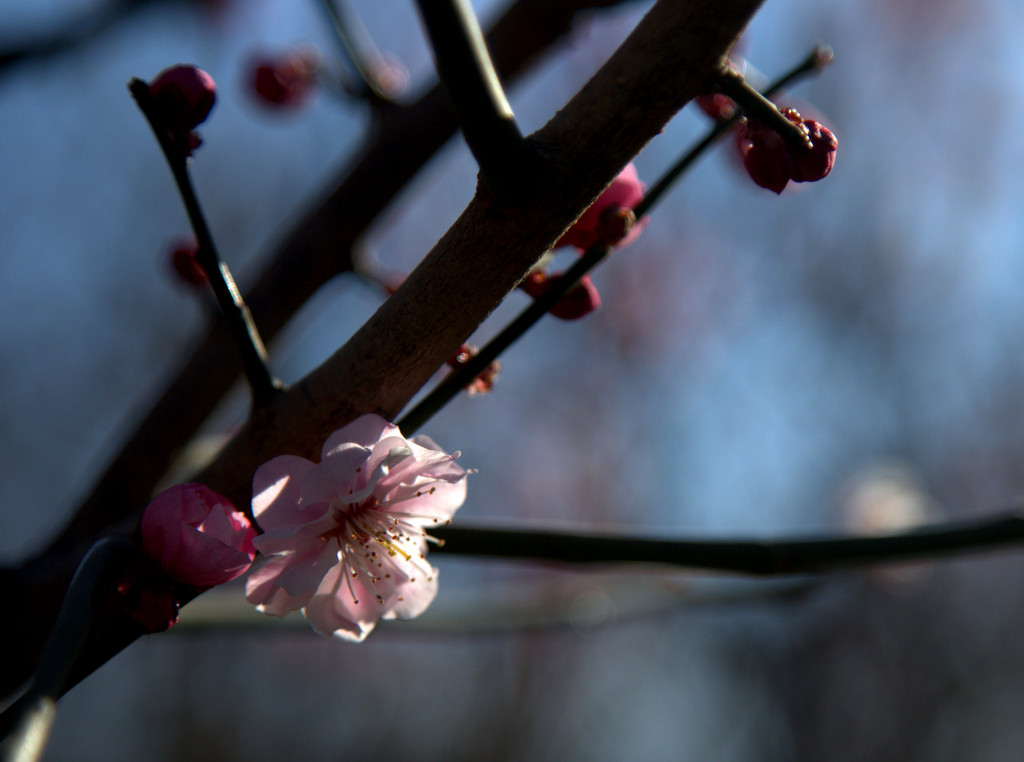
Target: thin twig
[460,377]
[486,118]
[246,336]
[756,106]
[754,557]
[317,248]
[356,44]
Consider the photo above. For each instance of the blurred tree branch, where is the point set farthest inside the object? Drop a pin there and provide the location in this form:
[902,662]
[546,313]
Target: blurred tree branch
[83,29]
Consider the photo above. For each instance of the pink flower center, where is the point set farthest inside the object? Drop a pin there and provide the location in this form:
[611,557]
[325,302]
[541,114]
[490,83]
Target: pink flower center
[378,547]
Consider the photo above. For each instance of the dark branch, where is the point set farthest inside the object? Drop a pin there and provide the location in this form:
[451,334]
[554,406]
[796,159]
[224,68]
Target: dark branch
[754,557]
[465,68]
[241,326]
[459,378]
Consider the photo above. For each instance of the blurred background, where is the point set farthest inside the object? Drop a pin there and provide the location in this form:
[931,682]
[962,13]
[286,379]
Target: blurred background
[844,357]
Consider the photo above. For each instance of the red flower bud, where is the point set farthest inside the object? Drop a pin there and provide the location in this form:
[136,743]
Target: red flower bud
[183,261]
[816,162]
[765,156]
[772,164]
[182,97]
[578,301]
[615,224]
[148,600]
[716,105]
[626,191]
[484,382]
[285,82]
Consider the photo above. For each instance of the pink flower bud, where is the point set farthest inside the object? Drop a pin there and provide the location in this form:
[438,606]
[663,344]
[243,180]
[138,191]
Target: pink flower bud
[183,96]
[626,190]
[765,156]
[816,162]
[198,536]
[285,82]
[183,260]
[578,301]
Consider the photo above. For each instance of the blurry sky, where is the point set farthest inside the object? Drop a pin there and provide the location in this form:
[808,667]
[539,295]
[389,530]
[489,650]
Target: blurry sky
[757,360]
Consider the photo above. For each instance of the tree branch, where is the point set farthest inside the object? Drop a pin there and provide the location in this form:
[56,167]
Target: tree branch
[666,61]
[764,558]
[485,115]
[318,247]
[244,333]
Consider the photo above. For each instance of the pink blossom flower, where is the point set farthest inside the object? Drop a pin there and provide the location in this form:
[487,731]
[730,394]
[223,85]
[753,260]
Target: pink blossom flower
[346,537]
[625,191]
[198,536]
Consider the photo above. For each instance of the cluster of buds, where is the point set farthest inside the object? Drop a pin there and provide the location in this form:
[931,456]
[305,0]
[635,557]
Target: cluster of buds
[610,219]
[772,163]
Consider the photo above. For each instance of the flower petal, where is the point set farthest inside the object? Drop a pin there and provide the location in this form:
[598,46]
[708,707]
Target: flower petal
[276,490]
[366,429]
[343,608]
[261,589]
